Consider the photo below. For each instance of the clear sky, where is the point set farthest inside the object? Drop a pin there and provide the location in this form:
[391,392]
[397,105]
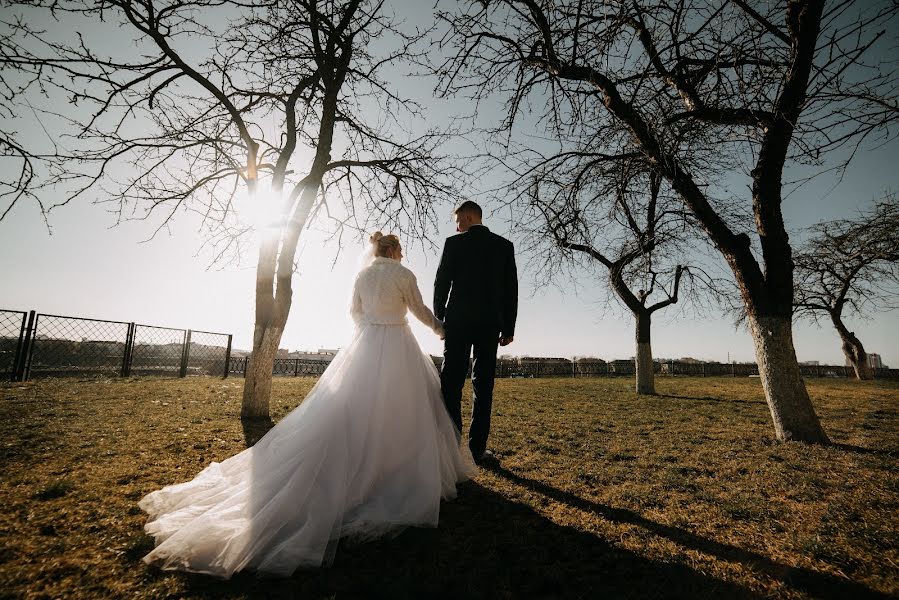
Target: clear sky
[89,268]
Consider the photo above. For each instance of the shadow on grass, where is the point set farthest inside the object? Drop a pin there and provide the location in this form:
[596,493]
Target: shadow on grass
[887,452]
[814,583]
[710,399]
[255,429]
[485,547]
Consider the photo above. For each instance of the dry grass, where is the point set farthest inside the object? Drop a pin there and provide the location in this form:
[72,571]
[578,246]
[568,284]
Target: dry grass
[597,493]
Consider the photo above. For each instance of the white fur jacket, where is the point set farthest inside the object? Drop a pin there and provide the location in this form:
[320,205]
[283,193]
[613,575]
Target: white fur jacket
[384,291]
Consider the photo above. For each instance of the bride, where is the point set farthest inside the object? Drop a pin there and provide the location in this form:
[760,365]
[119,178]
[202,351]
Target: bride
[369,451]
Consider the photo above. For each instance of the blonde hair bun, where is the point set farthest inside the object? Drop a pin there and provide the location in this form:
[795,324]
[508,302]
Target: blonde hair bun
[385,245]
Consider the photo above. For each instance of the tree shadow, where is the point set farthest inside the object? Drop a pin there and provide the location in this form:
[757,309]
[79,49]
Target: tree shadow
[255,429]
[710,399]
[486,546]
[887,452]
[814,583]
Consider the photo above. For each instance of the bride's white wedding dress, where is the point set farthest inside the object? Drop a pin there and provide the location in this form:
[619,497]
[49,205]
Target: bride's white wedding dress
[369,451]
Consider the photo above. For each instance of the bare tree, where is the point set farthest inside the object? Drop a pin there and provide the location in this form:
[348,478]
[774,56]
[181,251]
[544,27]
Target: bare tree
[849,268]
[701,88]
[18,74]
[288,100]
[582,214]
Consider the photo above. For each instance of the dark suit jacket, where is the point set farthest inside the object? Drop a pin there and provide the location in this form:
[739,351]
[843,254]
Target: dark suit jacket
[477,282]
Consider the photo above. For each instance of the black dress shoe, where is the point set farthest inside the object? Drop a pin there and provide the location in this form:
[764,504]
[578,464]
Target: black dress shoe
[486,457]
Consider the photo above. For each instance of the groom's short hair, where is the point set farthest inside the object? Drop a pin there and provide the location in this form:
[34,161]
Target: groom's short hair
[469,207]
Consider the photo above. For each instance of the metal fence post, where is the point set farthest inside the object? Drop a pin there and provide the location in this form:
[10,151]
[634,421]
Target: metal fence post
[28,348]
[228,357]
[127,351]
[185,354]
[296,367]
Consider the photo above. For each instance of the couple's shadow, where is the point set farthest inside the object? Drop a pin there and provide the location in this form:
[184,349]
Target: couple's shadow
[487,546]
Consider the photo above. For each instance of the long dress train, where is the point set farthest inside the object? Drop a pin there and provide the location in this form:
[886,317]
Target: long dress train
[369,451]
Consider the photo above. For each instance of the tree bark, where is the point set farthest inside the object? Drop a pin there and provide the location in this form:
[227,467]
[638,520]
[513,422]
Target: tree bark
[257,388]
[853,350]
[645,376]
[267,330]
[791,409]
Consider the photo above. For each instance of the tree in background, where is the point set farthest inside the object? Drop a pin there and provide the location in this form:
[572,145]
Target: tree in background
[285,107]
[585,210]
[698,89]
[848,268]
[19,72]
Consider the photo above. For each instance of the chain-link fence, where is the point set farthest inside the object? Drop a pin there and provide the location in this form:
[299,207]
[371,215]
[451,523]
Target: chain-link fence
[72,346]
[12,337]
[42,345]
[207,353]
[157,350]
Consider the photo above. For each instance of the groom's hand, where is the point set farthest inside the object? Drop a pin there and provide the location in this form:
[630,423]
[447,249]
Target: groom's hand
[505,340]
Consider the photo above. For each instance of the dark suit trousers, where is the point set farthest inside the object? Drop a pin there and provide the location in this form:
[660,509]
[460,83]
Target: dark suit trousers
[457,347]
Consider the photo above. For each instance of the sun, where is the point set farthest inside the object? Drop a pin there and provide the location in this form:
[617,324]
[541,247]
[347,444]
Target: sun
[263,210]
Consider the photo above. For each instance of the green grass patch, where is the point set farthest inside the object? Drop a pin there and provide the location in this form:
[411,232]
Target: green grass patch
[598,493]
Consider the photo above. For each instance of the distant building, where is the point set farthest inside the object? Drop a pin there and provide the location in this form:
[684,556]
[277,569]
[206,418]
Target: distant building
[542,359]
[621,366]
[874,361]
[322,354]
[590,365]
[809,363]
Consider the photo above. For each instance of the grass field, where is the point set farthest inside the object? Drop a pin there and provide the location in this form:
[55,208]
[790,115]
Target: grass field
[598,493]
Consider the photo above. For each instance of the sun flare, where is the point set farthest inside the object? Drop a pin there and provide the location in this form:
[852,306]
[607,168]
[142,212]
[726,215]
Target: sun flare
[263,211]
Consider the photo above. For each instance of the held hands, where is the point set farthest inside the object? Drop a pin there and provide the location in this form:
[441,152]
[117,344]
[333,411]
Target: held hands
[505,340]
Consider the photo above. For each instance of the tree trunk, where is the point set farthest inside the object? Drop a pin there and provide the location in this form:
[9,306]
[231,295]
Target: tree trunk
[274,272]
[853,350]
[273,303]
[257,388]
[643,362]
[858,358]
[791,409]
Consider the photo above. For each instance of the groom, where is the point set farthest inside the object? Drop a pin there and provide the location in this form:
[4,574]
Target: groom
[476,295]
